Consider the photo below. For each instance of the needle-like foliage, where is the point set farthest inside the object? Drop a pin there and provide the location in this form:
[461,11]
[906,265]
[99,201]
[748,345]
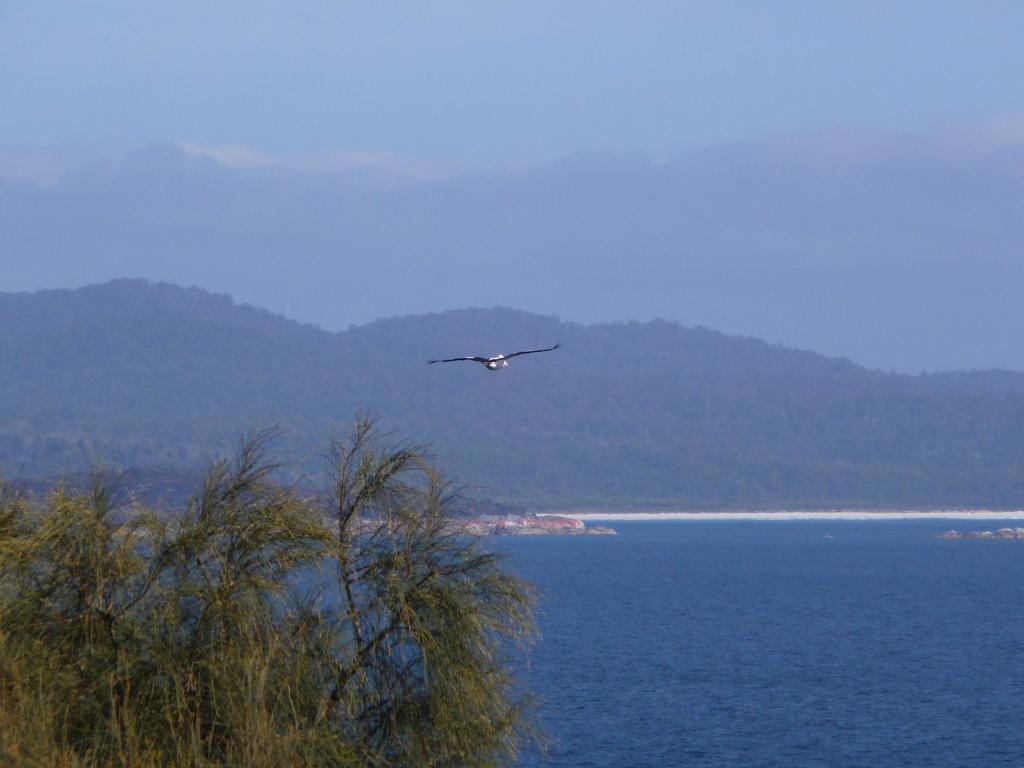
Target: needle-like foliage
[258,627]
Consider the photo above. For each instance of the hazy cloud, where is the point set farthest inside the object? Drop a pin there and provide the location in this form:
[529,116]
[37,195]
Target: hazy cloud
[898,251]
[374,164]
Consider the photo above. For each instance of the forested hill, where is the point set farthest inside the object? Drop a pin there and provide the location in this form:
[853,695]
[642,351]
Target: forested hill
[634,414]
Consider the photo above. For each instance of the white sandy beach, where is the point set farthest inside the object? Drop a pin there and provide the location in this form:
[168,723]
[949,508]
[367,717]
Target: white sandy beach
[942,514]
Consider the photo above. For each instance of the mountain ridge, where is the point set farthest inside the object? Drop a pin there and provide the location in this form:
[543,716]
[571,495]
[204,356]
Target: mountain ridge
[624,414]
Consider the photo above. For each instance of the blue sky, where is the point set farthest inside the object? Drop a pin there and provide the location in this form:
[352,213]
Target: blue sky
[495,82]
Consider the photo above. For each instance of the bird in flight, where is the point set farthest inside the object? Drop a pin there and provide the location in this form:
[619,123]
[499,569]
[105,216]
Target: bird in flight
[494,363]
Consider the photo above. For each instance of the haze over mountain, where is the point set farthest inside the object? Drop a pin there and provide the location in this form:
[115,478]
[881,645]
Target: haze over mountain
[899,252]
[625,414]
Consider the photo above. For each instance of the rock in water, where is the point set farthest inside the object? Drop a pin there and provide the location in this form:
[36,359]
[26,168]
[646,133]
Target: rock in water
[1002,533]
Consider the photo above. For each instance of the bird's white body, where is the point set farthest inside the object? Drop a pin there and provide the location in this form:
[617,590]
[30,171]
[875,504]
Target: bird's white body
[494,363]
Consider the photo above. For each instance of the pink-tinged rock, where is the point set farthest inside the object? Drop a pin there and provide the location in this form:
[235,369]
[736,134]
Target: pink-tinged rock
[554,522]
[532,525]
[521,525]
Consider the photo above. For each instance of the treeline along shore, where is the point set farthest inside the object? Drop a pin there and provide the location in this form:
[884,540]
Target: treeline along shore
[622,416]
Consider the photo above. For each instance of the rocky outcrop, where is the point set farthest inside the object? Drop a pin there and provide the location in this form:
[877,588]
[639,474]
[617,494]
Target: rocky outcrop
[503,525]
[532,525]
[526,525]
[1002,533]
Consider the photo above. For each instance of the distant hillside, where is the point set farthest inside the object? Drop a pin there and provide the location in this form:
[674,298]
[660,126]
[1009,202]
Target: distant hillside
[632,414]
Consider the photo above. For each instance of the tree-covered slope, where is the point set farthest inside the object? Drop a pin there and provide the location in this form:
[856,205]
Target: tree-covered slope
[622,415]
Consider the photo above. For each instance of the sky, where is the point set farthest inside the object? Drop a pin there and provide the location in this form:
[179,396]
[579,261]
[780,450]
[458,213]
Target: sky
[496,82]
[845,177]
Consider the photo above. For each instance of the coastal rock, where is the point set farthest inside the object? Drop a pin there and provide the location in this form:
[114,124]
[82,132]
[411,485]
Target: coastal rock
[1002,533]
[526,525]
[520,525]
[534,525]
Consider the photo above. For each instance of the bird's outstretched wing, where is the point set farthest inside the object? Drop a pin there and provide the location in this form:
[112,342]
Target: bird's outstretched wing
[531,351]
[456,359]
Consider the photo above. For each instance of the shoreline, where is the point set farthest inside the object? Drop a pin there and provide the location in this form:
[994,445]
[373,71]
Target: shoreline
[783,515]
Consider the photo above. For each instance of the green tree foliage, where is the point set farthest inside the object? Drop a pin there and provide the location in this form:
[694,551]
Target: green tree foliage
[258,627]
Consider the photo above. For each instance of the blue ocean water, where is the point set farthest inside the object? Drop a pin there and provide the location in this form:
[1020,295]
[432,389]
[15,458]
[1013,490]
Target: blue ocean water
[768,644]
